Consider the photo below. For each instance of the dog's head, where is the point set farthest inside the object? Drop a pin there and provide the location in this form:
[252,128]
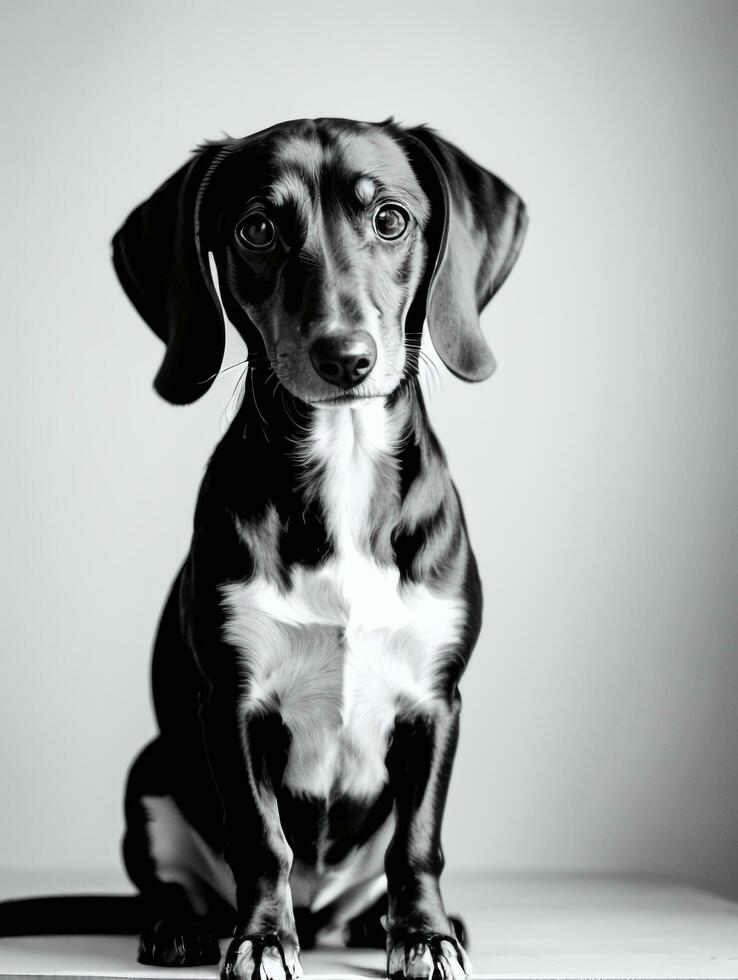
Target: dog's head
[334,240]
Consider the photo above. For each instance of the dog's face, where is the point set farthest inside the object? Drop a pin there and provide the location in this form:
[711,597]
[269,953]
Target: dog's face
[334,240]
[321,247]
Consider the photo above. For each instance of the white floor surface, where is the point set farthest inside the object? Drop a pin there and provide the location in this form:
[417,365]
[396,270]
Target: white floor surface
[520,926]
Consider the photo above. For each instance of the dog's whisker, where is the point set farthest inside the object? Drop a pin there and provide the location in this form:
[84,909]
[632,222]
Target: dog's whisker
[223,371]
[429,363]
[272,376]
[256,406]
[285,394]
[432,376]
[224,413]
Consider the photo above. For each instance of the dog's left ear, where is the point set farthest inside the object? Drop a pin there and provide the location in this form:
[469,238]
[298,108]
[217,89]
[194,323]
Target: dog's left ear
[475,233]
[161,258]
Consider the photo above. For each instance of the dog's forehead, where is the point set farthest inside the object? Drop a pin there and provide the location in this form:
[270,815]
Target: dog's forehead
[362,161]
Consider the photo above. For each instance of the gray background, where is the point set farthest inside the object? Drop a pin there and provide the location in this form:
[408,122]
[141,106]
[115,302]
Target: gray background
[598,467]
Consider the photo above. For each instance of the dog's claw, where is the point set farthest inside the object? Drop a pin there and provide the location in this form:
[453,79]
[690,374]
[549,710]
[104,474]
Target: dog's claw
[459,931]
[427,956]
[261,956]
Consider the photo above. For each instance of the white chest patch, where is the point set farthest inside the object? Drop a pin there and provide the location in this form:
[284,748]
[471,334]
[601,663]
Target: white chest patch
[347,645]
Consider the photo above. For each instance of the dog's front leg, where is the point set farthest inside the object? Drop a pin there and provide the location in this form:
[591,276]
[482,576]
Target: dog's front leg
[244,757]
[421,941]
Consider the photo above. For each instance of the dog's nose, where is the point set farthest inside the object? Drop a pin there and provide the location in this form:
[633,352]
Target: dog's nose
[344,359]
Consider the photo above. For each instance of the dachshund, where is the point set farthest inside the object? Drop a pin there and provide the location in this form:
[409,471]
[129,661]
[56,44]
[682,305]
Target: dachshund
[307,662]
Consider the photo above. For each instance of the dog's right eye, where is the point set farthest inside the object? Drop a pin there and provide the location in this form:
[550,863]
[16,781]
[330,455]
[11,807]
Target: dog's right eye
[256,232]
[390,221]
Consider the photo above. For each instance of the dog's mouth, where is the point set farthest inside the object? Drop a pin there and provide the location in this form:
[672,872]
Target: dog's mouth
[348,398]
[306,386]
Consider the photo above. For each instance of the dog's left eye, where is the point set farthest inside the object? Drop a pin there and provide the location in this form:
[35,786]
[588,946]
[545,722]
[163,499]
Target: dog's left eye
[391,221]
[256,232]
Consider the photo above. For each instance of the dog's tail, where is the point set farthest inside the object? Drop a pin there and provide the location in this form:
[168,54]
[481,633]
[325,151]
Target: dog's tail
[72,915]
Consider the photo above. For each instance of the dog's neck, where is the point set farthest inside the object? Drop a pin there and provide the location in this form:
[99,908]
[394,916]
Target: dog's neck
[274,420]
[284,442]
[369,477]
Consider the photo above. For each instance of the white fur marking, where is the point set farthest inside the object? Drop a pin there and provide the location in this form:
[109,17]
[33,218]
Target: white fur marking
[365,189]
[348,645]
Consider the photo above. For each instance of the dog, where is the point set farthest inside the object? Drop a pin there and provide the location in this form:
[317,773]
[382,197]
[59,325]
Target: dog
[307,662]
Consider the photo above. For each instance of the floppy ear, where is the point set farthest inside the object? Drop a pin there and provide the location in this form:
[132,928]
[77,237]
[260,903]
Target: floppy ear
[161,259]
[476,231]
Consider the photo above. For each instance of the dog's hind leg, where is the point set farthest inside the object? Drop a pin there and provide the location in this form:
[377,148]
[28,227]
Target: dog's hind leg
[161,861]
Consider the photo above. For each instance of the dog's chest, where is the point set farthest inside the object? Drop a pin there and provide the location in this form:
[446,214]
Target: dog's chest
[347,645]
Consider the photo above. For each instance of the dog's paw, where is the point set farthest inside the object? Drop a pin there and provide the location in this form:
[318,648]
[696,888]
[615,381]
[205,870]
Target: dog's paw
[262,956]
[426,956]
[172,943]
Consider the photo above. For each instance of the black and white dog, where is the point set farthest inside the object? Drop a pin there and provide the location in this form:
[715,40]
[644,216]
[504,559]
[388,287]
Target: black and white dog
[308,658]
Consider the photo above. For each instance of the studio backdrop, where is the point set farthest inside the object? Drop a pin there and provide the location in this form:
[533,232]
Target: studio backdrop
[597,466]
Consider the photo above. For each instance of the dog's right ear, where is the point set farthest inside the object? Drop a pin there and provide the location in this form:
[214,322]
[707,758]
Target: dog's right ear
[475,234]
[161,259]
